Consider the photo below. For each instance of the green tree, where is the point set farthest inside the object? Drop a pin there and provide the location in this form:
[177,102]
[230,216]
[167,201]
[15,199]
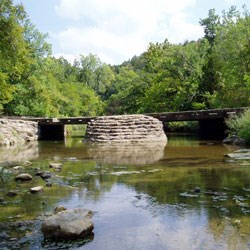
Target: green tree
[14,56]
[209,83]
[211,25]
[177,73]
[128,89]
[95,74]
[231,54]
[23,51]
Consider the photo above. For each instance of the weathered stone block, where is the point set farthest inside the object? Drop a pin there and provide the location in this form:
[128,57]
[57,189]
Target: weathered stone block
[125,128]
[17,131]
[68,225]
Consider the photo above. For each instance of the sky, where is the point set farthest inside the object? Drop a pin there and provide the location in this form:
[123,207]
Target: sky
[117,30]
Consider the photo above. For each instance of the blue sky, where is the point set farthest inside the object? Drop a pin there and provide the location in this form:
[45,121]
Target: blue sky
[116,30]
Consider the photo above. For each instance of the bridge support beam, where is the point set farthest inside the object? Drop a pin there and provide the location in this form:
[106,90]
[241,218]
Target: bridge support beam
[212,129]
[51,132]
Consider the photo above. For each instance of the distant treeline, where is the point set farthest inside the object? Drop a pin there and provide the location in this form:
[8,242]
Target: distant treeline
[212,72]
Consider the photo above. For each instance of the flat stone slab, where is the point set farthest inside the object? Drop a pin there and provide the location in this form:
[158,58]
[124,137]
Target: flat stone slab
[242,154]
[68,225]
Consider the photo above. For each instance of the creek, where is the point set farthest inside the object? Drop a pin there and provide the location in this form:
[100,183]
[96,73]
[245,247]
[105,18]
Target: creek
[186,194]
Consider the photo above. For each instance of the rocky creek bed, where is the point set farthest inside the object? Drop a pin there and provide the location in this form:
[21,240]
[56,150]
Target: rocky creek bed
[27,235]
[52,232]
[158,188]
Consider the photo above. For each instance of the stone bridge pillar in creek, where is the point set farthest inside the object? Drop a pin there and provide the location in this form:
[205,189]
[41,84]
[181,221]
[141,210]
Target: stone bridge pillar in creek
[51,132]
[212,128]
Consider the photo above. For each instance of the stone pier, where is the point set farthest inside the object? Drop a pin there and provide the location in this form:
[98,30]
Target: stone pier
[17,131]
[132,128]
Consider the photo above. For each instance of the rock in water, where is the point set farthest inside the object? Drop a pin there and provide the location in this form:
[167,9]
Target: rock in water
[68,225]
[56,165]
[23,177]
[17,168]
[36,189]
[132,128]
[45,175]
[27,163]
[234,140]
[12,193]
[59,209]
[241,154]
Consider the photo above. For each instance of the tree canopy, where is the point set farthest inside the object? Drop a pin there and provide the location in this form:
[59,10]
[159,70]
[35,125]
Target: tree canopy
[212,72]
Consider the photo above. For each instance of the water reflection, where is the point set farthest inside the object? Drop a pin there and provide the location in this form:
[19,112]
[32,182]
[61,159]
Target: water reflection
[126,219]
[139,153]
[19,153]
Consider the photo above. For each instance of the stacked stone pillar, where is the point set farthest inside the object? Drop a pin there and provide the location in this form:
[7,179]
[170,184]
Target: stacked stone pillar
[122,128]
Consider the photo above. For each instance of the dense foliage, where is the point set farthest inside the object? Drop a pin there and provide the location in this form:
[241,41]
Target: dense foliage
[239,125]
[212,72]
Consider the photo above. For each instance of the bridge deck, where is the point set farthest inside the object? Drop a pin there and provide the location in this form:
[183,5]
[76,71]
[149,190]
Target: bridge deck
[196,115]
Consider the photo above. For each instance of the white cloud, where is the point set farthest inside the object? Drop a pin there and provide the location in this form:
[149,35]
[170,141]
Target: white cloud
[231,1]
[117,30]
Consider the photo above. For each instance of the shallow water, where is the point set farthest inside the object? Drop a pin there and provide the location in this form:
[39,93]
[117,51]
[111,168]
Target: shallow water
[183,195]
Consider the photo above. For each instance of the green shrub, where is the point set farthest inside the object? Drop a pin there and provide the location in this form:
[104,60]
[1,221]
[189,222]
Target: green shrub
[240,125]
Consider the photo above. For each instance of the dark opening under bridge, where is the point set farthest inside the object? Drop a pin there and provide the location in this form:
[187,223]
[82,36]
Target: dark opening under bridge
[210,121]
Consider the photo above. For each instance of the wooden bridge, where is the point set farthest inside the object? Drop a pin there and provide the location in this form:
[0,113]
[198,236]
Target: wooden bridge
[196,115]
[210,121]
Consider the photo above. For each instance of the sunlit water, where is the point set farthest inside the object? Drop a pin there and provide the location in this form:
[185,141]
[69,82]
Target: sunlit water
[182,195]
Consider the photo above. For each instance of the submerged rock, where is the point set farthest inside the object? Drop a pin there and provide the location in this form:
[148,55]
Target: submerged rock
[4,236]
[12,193]
[197,190]
[215,193]
[39,173]
[23,177]
[46,175]
[185,194]
[68,225]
